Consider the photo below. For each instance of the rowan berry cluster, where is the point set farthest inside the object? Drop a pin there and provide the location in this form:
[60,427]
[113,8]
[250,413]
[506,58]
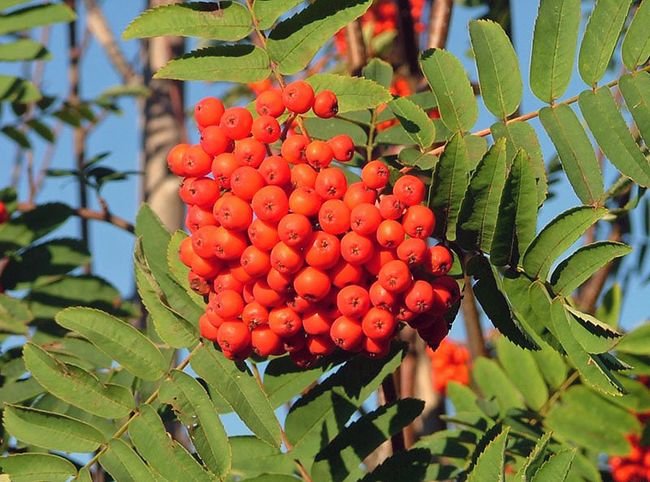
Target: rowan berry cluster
[381,17]
[289,257]
[4,213]
[449,363]
[635,467]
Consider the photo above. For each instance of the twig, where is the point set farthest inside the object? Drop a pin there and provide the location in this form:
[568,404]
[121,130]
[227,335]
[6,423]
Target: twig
[88,214]
[356,53]
[472,318]
[439,21]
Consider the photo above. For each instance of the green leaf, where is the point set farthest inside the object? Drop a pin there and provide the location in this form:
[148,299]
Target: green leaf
[177,270]
[42,129]
[353,93]
[554,48]
[534,459]
[23,49]
[223,63]
[117,339]
[14,315]
[161,452]
[320,414]
[36,467]
[558,236]
[449,83]
[613,136]
[294,41]
[478,215]
[266,459]
[598,44]
[610,308]
[84,475]
[636,92]
[637,341]
[636,44]
[379,71]
[498,67]
[268,11]
[489,464]
[5,4]
[414,120]
[520,366]
[325,129]
[594,335]
[76,386]
[18,136]
[557,467]
[449,185]
[411,465]
[223,20]
[239,388]
[51,430]
[413,157]
[343,457]
[31,225]
[494,383]
[592,371]
[490,295]
[522,136]
[15,89]
[517,219]
[121,461]
[283,380]
[172,328]
[19,391]
[582,264]
[575,151]
[590,421]
[35,16]
[196,411]
[462,397]
[39,264]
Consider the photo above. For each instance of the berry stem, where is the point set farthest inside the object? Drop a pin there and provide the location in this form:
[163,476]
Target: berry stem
[125,426]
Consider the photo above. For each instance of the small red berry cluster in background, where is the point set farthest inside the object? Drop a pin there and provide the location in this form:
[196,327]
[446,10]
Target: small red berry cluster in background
[289,256]
[449,363]
[382,17]
[4,213]
[635,467]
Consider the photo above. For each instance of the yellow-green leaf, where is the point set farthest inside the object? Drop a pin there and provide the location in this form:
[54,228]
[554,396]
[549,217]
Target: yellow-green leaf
[636,44]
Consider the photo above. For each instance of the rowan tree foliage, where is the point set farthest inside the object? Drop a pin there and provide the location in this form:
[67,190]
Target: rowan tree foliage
[96,387]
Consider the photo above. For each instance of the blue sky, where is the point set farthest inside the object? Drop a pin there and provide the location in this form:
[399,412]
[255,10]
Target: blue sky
[119,135]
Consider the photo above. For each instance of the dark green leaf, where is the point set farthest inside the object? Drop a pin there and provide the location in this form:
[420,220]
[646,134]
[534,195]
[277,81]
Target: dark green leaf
[534,459]
[520,366]
[489,464]
[636,92]
[36,467]
[223,20]
[411,465]
[575,151]
[517,219]
[77,386]
[379,71]
[343,457]
[581,265]
[294,41]
[498,67]
[42,129]
[613,135]
[268,11]
[239,388]
[454,95]
[636,44]
[554,48]
[31,225]
[15,89]
[478,215]
[51,430]
[35,16]
[17,135]
[587,419]
[556,468]
[283,380]
[163,453]
[117,339]
[522,136]
[558,236]
[223,63]
[449,185]
[196,411]
[23,49]
[598,44]
[353,93]
[414,120]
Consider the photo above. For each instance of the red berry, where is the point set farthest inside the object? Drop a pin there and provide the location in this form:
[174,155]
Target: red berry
[298,96]
[326,104]
[342,147]
[266,129]
[270,103]
[208,112]
[236,122]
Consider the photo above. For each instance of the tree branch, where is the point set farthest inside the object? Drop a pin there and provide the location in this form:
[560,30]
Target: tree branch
[439,21]
[472,318]
[409,42]
[356,54]
[88,215]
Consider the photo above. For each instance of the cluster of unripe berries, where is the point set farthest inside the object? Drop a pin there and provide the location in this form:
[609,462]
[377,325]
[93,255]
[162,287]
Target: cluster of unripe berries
[289,257]
[382,17]
[449,363]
